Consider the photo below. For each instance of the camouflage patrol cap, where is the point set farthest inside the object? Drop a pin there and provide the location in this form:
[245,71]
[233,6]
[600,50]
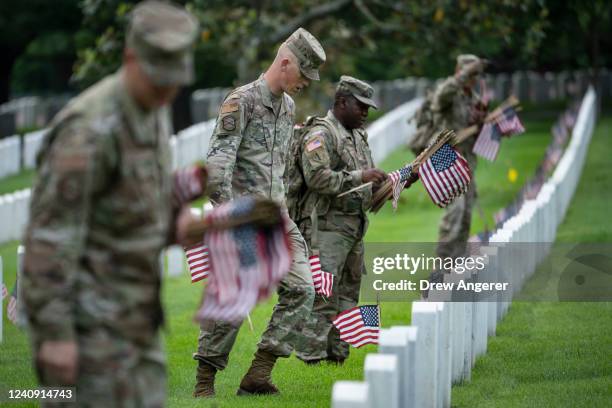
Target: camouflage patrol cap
[162,36]
[309,52]
[465,59]
[362,91]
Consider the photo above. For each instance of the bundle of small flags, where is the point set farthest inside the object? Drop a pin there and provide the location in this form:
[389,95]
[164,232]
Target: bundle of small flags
[244,264]
[506,124]
[323,281]
[445,175]
[398,181]
[359,325]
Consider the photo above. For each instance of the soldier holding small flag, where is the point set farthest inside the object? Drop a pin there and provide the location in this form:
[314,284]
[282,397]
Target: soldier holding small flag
[334,157]
[247,157]
[456,105]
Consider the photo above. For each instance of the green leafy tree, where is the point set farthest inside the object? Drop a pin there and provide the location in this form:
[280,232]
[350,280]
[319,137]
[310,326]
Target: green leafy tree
[40,28]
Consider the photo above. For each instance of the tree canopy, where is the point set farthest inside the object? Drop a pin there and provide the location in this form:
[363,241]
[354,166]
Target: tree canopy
[371,39]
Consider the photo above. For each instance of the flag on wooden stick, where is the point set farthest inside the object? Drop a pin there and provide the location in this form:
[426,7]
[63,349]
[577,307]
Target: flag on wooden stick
[359,325]
[507,124]
[323,281]
[445,175]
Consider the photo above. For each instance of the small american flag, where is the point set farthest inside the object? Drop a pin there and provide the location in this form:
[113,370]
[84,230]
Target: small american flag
[487,144]
[398,181]
[323,281]
[11,309]
[187,185]
[445,175]
[246,262]
[198,262]
[359,325]
[509,123]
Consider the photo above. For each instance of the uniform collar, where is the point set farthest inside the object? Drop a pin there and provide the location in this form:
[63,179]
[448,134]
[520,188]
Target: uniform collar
[142,123]
[332,117]
[266,96]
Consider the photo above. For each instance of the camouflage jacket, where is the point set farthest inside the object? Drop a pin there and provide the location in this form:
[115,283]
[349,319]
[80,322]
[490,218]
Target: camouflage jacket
[248,147]
[453,108]
[333,162]
[100,214]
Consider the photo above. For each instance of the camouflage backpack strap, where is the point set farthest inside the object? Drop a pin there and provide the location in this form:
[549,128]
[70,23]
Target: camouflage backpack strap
[314,218]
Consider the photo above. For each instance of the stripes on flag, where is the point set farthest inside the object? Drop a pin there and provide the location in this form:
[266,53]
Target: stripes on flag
[11,309]
[198,262]
[509,123]
[323,281]
[187,185]
[445,175]
[398,182]
[487,144]
[359,325]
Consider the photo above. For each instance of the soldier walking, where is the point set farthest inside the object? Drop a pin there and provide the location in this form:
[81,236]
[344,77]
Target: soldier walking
[335,157]
[456,105]
[247,157]
[101,213]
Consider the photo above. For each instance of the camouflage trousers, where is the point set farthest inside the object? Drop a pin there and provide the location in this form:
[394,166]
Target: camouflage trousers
[295,297]
[114,372]
[339,239]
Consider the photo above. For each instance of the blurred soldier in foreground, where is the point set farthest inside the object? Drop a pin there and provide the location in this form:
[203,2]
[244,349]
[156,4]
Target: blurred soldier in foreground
[101,213]
[247,157]
[456,105]
[334,156]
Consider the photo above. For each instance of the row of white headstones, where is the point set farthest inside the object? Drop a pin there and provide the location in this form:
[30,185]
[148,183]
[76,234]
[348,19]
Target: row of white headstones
[416,365]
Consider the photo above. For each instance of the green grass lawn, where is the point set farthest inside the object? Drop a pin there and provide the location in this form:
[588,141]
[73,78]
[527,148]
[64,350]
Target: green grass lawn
[17,181]
[556,354]
[304,386]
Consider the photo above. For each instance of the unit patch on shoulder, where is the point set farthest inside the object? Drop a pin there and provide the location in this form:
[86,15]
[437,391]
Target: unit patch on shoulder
[228,123]
[229,107]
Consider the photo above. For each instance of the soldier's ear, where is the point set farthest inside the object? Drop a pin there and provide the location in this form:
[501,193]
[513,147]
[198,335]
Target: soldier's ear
[285,62]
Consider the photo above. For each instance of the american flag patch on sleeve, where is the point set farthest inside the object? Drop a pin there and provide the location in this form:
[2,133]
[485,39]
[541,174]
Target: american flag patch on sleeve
[314,144]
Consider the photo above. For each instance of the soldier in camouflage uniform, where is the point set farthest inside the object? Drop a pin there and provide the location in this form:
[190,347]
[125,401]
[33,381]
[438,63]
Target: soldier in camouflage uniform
[335,157]
[247,157]
[101,212]
[456,105]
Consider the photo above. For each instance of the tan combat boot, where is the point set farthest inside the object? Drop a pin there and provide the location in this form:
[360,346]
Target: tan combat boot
[205,381]
[257,380]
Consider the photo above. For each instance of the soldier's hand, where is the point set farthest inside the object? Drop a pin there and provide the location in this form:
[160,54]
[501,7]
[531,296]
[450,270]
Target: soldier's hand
[375,175]
[59,359]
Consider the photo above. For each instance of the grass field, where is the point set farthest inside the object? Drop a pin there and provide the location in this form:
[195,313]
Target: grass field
[17,182]
[305,386]
[556,354]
